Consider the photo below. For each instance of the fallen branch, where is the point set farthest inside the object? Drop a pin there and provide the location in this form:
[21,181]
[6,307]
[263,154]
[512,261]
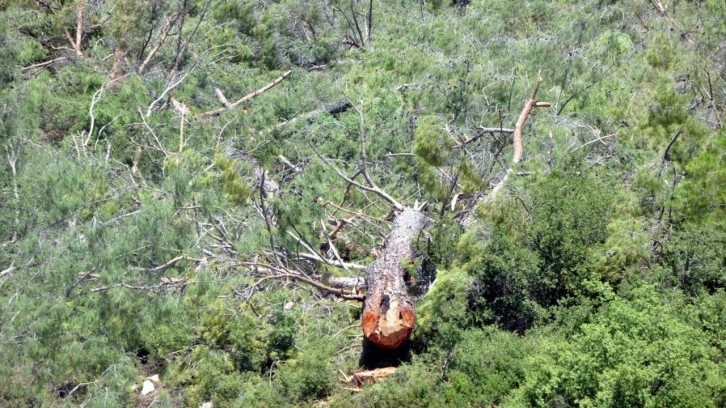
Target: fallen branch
[357,282]
[518,148]
[221,97]
[183,111]
[12,155]
[165,284]
[314,256]
[367,377]
[163,38]
[295,169]
[599,139]
[8,270]
[280,273]
[76,44]
[331,108]
[79,280]
[162,268]
[44,64]
[163,94]
[482,132]
[331,262]
[329,242]
[255,94]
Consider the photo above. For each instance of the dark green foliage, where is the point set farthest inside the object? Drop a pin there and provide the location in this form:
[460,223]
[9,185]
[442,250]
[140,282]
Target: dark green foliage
[570,213]
[532,263]
[636,352]
[309,376]
[696,259]
[485,366]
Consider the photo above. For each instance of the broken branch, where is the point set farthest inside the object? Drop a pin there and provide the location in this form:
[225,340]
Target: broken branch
[255,94]
[374,189]
[518,149]
[285,273]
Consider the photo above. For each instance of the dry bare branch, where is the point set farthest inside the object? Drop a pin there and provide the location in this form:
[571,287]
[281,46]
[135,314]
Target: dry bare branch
[162,268]
[221,97]
[316,258]
[166,91]
[8,270]
[255,94]
[164,35]
[44,64]
[482,132]
[76,44]
[330,244]
[283,273]
[518,149]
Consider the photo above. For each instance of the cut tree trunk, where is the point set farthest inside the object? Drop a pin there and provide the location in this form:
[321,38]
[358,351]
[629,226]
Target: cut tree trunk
[388,316]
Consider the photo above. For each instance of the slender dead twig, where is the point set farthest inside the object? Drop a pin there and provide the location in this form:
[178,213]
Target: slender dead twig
[265,216]
[373,189]
[667,153]
[44,64]
[255,94]
[282,273]
[168,88]
[170,24]
[315,256]
[482,132]
[162,268]
[330,244]
[599,139]
[159,146]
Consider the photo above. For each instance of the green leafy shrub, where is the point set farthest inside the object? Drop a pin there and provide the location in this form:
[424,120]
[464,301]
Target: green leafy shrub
[636,352]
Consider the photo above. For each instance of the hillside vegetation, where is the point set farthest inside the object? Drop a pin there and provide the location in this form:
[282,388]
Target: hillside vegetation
[153,220]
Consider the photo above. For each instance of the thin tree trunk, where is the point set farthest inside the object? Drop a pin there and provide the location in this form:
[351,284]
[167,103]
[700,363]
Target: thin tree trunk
[388,316]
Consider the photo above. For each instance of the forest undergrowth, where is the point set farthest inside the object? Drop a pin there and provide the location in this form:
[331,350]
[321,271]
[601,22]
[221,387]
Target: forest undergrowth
[183,182]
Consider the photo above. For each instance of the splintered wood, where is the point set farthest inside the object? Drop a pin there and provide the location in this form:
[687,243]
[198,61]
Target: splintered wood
[367,377]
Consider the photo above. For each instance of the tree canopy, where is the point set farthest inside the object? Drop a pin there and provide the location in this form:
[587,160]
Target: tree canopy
[189,187]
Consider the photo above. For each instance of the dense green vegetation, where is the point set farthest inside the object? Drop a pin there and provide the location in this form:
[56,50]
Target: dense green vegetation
[596,278]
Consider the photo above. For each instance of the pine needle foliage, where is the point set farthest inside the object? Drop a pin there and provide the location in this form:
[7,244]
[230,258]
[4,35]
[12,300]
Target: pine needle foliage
[142,213]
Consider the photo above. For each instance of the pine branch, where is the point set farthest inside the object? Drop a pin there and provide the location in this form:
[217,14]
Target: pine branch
[282,273]
[255,94]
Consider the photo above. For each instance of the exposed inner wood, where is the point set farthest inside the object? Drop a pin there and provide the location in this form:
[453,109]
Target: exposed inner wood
[389,317]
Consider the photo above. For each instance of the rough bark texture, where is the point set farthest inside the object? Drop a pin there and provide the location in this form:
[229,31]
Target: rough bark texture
[388,316]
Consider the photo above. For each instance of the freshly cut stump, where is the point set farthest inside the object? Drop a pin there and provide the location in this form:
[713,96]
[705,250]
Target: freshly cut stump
[388,316]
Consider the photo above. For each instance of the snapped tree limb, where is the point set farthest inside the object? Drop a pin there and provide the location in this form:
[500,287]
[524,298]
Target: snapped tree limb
[76,44]
[255,94]
[283,273]
[517,135]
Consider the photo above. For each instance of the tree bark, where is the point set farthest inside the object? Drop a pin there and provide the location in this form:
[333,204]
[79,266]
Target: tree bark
[389,317]
[334,108]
